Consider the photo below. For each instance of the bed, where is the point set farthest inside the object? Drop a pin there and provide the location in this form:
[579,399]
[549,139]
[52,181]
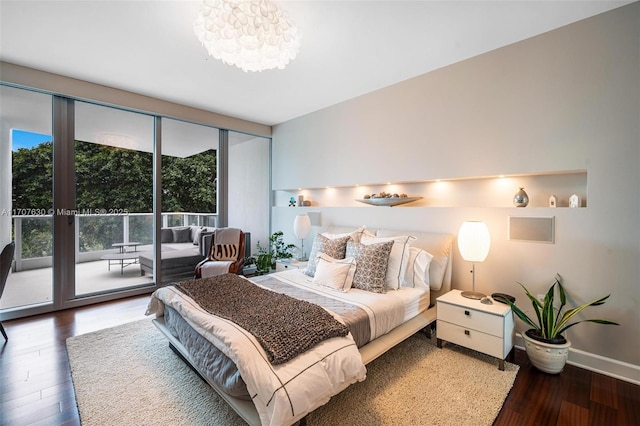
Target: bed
[224,354]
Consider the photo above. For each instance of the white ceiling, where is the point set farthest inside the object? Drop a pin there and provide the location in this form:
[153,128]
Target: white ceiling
[349,48]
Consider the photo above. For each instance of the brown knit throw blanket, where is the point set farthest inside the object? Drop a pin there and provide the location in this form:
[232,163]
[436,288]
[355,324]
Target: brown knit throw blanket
[284,326]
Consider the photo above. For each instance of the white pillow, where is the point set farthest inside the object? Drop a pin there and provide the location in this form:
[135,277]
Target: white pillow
[398,258]
[334,273]
[417,273]
[355,235]
[335,248]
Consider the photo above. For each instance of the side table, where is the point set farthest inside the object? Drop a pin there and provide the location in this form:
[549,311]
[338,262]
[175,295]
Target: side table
[489,329]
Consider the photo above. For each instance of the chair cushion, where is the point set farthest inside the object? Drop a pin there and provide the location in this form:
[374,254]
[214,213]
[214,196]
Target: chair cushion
[224,252]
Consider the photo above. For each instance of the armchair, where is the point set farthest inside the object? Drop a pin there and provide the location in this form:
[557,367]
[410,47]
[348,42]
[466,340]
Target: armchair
[226,254]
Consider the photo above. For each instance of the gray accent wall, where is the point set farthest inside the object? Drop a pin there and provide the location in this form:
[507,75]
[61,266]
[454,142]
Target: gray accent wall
[566,100]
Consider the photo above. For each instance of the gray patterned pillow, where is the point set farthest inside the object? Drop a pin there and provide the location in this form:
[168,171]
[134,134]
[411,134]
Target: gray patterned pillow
[371,265]
[321,244]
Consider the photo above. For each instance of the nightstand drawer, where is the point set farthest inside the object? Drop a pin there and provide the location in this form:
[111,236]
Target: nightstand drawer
[285,266]
[471,318]
[472,339]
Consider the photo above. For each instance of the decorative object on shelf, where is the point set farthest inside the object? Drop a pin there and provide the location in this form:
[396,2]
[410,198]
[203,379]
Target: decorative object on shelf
[545,345]
[474,243]
[386,199]
[300,200]
[292,202]
[553,201]
[253,35]
[301,229]
[385,195]
[574,201]
[521,199]
[306,203]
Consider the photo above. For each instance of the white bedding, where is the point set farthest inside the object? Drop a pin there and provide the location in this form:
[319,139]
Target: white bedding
[287,392]
[386,311]
[282,393]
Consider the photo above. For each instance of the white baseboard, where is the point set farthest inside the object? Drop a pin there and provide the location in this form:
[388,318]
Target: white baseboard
[597,363]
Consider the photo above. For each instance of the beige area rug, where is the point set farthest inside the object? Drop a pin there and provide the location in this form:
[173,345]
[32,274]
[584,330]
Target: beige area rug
[127,375]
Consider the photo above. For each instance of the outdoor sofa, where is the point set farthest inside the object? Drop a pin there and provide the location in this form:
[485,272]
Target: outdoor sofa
[182,248]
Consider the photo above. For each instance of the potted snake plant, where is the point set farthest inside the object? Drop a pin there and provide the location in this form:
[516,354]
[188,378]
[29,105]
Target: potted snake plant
[545,344]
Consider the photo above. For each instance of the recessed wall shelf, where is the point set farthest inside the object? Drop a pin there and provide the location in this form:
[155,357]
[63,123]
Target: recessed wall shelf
[493,191]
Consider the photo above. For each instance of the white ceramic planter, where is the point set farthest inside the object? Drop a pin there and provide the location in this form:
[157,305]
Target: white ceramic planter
[546,357]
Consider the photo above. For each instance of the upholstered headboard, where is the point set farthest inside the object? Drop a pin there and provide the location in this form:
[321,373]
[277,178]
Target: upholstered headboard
[438,244]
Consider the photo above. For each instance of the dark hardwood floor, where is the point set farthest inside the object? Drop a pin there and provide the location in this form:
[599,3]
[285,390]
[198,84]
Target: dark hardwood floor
[36,386]
[573,397]
[35,380]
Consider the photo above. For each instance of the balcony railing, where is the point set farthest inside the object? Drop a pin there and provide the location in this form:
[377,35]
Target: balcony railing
[95,234]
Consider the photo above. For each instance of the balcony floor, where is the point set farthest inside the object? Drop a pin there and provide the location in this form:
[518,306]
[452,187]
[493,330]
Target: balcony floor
[34,286]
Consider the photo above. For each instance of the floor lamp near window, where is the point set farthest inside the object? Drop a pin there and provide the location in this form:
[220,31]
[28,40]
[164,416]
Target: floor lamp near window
[474,242]
[301,229]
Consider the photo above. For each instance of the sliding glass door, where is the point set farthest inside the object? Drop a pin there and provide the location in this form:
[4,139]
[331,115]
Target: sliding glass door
[189,195]
[113,157]
[26,200]
[86,240]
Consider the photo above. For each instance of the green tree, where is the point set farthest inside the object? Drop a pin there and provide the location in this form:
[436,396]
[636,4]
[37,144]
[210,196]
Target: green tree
[109,178]
[113,178]
[32,183]
[32,187]
[189,184]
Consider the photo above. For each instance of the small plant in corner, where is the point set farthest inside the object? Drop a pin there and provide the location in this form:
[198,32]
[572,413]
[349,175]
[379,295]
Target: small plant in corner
[276,249]
[548,326]
[264,259]
[279,248]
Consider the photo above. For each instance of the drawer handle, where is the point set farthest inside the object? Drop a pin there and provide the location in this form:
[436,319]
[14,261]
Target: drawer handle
[467,313]
[466,332]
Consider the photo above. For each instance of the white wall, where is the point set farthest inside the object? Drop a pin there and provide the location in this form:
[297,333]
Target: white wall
[249,188]
[565,100]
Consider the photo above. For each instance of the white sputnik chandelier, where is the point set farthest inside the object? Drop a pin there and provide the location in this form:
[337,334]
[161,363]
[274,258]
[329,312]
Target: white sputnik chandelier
[254,35]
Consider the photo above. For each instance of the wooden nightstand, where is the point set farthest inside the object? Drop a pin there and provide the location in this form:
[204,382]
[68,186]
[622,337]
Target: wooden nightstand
[466,322]
[285,265]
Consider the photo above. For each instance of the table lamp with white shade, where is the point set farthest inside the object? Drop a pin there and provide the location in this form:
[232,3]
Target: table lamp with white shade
[301,229]
[474,242]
